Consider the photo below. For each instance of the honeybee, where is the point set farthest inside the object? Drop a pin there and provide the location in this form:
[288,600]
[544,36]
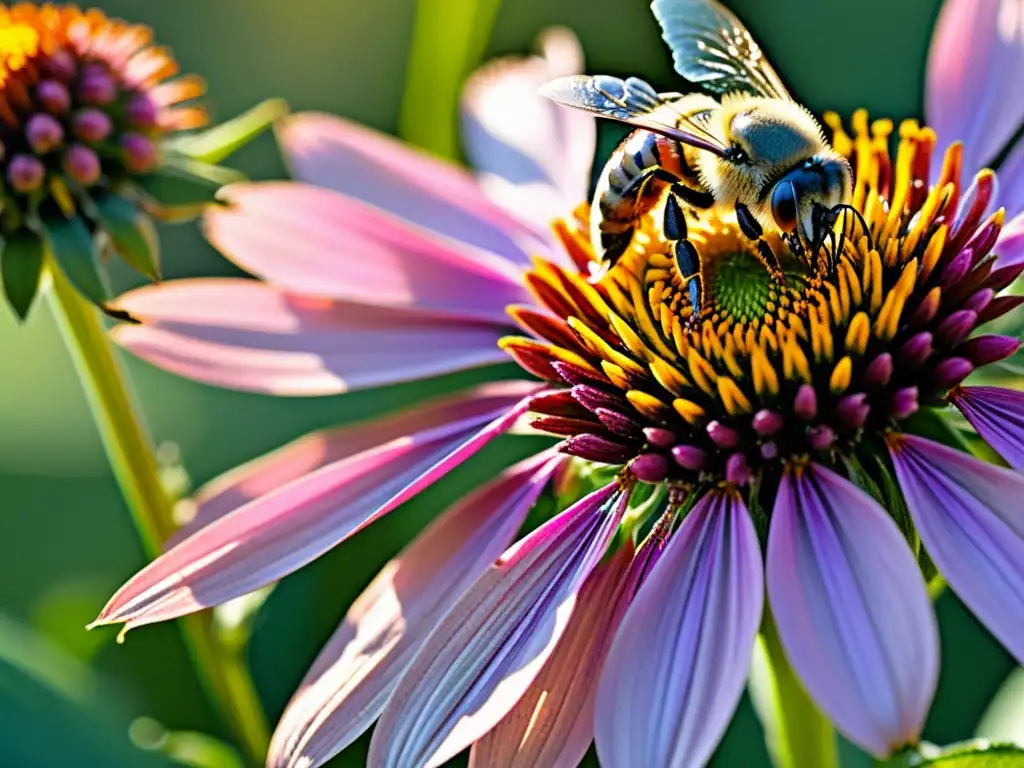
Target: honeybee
[743,143]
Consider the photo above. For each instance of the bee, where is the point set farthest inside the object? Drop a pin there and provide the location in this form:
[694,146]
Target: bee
[744,143]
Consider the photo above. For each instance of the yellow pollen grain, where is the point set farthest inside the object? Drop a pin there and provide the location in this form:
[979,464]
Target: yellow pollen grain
[858,334]
[616,375]
[841,375]
[689,410]
[645,321]
[629,337]
[601,348]
[892,309]
[853,283]
[701,372]
[873,279]
[735,402]
[794,361]
[766,380]
[670,377]
[933,251]
[647,405]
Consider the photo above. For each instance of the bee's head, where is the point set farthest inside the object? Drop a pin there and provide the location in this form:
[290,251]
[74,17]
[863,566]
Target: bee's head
[797,199]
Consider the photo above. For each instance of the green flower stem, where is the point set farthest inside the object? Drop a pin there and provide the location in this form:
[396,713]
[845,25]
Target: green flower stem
[130,452]
[798,735]
[449,37]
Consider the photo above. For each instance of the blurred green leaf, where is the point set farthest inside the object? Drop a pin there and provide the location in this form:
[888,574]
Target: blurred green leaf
[56,712]
[73,248]
[183,186]
[65,608]
[188,748]
[974,754]
[21,265]
[132,233]
[448,41]
[217,143]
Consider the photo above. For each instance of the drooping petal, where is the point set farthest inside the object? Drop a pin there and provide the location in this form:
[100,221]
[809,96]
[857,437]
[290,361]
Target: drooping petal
[489,648]
[267,473]
[349,683]
[534,156]
[852,609]
[1009,248]
[973,92]
[998,416]
[244,334]
[276,534]
[679,661]
[971,519]
[331,152]
[315,242]
[553,723]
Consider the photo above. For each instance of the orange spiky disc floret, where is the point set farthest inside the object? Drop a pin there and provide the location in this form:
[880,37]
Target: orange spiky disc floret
[771,372]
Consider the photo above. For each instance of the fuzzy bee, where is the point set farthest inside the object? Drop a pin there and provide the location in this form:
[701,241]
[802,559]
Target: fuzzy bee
[745,143]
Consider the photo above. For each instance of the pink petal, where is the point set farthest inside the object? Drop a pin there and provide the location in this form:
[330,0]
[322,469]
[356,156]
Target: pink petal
[349,683]
[1009,248]
[974,92]
[276,534]
[516,136]
[998,416]
[243,334]
[852,609]
[315,242]
[331,152]
[971,519]
[490,647]
[303,456]
[553,723]
[679,662]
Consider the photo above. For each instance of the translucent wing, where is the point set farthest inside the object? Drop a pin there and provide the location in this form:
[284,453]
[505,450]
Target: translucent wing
[632,101]
[712,48]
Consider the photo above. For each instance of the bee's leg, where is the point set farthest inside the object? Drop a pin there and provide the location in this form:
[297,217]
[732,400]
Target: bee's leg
[686,256]
[751,228]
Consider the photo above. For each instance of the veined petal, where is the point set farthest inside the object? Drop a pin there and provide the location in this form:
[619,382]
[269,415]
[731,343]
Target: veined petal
[679,661]
[972,91]
[276,534]
[244,334]
[514,134]
[553,723]
[852,609]
[349,683]
[998,416]
[490,647]
[315,242]
[331,152]
[971,521]
[302,456]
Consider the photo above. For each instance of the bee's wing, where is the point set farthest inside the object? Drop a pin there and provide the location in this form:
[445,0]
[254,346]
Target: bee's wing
[712,48]
[631,101]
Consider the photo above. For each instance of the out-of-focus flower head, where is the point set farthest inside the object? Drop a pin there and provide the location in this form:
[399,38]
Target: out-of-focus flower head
[772,443]
[88,111]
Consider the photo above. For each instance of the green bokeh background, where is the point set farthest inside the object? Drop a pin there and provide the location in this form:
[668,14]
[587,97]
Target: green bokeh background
[65,537]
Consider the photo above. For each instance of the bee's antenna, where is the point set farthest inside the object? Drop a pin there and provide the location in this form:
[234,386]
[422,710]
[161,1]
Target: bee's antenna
[847,208]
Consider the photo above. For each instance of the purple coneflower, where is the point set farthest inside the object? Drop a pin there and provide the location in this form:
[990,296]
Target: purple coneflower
[87,104]
[765,446]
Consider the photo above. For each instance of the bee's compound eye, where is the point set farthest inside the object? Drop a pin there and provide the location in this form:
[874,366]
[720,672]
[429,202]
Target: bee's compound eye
[784,206]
